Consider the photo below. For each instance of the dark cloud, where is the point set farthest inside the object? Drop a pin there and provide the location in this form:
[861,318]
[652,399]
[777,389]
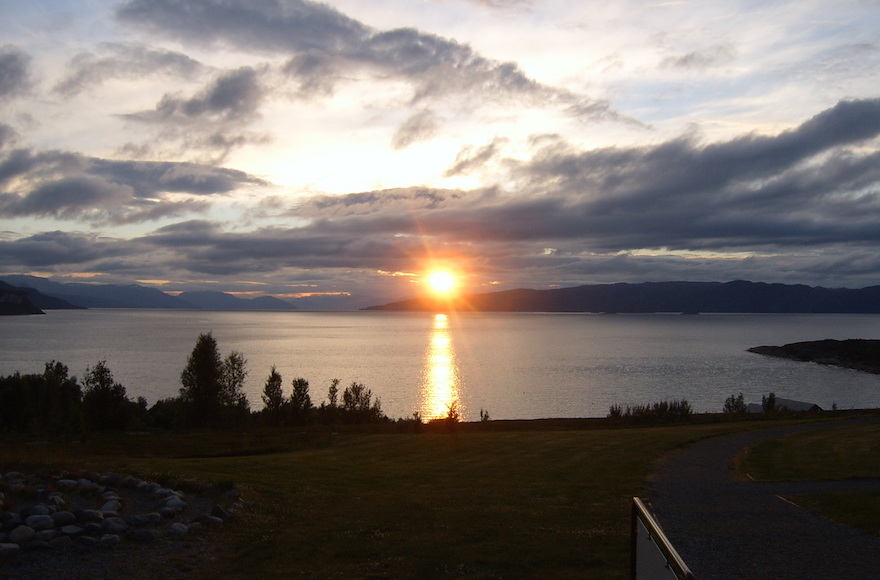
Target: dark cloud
[74,187]
[14,72]
[126,61]
[212,122]
[419,127]
[262,25]
[701,59]
[325,46]
[60,249]
[232,96]
[8,136]
[470,159]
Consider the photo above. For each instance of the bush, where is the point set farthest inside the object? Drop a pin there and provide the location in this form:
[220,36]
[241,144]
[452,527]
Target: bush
[358,406]
[735,405]
[663,411]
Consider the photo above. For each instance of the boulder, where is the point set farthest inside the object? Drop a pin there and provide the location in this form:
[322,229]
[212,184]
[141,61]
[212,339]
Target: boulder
[9,550]
[63,518]
[110,540]
[177,529]
[40,522]
[21,534]
[114,525]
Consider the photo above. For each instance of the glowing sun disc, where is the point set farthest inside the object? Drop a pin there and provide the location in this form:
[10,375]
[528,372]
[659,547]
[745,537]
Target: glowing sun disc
[441,281]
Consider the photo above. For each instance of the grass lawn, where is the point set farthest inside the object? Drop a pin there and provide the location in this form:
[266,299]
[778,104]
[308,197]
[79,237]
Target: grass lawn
[842,453]
[482,502]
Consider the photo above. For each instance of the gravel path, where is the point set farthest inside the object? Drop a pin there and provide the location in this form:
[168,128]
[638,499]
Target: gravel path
[724,528]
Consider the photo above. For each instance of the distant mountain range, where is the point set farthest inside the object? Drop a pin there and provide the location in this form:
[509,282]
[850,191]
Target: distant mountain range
[683,297]
[21,294]
[49,295]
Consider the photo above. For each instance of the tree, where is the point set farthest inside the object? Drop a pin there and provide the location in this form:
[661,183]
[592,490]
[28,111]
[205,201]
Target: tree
[273,396]
[200,380]
[769,403]
[63,400]
[233,400]
[213,389]
[300,402]
[105,405]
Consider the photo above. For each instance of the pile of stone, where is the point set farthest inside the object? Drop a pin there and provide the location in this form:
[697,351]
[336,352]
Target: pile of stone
[90,510]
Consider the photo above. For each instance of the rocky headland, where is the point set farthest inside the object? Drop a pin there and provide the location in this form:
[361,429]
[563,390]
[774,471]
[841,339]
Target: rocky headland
[859,354]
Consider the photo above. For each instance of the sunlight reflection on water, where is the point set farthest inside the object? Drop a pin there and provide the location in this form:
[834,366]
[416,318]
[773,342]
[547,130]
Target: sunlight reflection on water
[440,377]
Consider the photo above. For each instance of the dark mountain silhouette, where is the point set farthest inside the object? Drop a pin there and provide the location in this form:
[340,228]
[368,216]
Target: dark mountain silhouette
[15,301]
[221,301]
[685,297]
[101,295]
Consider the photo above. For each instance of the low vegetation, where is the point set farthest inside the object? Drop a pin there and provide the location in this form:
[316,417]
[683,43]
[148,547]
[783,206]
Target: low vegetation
[843,453]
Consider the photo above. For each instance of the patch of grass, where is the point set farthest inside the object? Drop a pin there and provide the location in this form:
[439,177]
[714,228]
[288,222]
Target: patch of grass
[859,510]
[834,454]
[473,503]
[841,453]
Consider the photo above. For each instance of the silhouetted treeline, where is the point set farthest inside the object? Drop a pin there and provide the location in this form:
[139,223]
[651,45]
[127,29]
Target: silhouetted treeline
[211,396]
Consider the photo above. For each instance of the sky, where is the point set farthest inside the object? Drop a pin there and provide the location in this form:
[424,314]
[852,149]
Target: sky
[349,148]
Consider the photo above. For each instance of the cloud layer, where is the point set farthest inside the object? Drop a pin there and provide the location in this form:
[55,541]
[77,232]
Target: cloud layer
[168,149]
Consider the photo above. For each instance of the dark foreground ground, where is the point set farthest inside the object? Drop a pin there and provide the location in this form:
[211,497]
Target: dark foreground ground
[727,527]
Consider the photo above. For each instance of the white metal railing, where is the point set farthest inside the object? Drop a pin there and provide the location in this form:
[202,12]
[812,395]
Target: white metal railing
[652,556]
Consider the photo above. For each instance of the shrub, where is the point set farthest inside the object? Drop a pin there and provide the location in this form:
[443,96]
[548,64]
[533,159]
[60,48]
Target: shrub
[663,411]
[735,405]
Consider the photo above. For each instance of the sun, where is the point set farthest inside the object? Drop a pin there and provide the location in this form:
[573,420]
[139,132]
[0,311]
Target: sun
[441,282]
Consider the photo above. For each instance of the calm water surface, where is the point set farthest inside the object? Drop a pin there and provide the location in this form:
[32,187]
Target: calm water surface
[515,366]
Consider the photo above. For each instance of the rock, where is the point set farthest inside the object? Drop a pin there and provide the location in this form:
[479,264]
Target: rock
[211,520]
[21,534]
[114,525]
[72,530]
[9,550]
[64,518]
[11,520]
[177,530]
[85,542]
[167,512]
[89,516]
[93,529]
[110,540]
[47,535]
[40,522]
[222,513]
[40,509]
[174,503]
[111,507]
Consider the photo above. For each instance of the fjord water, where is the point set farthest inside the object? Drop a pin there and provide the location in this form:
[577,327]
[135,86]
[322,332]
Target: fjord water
[513,365]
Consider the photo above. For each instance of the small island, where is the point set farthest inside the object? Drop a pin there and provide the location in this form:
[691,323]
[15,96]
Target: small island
[858,354]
